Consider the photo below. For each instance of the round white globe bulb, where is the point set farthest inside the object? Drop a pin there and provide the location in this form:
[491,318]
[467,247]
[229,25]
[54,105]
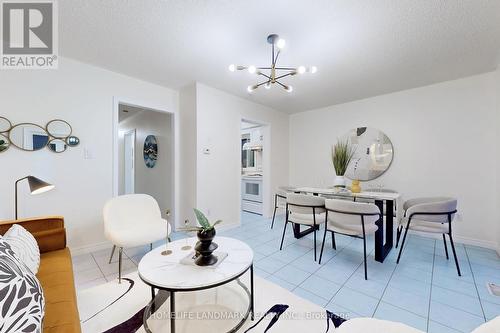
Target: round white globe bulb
[301,70]
[252,69]
[289,89]
[232,67]
[250,89]
[280,43]
[314,69]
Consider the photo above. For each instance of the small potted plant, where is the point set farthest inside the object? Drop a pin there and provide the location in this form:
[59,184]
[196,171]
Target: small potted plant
[205,246]
[342,154]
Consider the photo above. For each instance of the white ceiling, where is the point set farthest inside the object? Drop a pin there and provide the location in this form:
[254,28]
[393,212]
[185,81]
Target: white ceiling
[362,48]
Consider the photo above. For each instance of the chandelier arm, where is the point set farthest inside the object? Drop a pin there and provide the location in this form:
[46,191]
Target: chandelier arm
[284,75]
[281,84]
[265,75]
[260,84]
[286,68]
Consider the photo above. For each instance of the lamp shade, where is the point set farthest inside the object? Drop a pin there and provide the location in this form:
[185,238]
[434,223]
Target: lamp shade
[38,186]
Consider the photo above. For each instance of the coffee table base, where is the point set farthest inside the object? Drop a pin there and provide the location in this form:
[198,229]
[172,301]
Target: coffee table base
[163,294]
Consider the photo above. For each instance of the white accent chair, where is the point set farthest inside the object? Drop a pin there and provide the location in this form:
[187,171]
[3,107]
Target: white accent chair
[133,220]
[431,215]
[306,210]
[354,219]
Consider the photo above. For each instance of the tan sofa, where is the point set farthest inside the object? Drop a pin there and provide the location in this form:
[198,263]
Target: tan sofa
[55,272]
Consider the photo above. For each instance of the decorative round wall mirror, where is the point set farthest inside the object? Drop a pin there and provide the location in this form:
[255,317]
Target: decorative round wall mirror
[29,137]
[4,143]
[5,125]
[150,151]
[59,129]
[72,141]
[373,153]
[57,145]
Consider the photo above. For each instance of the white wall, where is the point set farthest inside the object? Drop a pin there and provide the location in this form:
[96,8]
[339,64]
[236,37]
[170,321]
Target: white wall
[445,142]
[82,95]
[218,178]
[157,181]
[187,152]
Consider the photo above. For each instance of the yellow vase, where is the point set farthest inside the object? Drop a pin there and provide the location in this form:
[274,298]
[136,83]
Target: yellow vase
[355,187]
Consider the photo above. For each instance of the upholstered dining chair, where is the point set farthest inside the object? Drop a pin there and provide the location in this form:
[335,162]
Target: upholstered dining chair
[354,219]
[302,209]
[133,220]
[431,215]
[280,199]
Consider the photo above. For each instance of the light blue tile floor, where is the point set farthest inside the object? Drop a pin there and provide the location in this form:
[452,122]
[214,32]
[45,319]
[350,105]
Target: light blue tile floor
[423,290]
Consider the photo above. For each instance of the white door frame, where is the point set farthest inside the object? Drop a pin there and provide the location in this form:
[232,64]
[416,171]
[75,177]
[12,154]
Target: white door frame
[117,101]
[133,135]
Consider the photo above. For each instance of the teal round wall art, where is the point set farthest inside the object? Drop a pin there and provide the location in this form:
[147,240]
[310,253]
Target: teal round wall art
[150,151]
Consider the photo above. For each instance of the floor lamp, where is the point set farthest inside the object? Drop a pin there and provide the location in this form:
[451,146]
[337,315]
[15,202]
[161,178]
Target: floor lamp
[37,186]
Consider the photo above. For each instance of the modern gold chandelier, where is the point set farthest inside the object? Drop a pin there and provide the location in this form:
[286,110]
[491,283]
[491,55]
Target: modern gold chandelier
[274,74]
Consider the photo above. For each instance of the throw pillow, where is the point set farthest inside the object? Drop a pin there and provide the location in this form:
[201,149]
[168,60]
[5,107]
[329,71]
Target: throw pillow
[22,304]
[24,246]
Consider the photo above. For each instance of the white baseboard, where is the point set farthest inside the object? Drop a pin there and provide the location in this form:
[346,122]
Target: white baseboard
[459,239]
[78,250]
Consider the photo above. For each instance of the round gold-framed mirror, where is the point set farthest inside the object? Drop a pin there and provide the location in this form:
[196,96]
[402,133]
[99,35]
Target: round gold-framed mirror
[59,129]
[28,137]
[373,153]
[4,143]
[5,125]
[72,141]
[57,145]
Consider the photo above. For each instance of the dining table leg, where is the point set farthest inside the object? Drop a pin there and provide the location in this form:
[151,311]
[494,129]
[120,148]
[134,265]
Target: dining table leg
[383,249]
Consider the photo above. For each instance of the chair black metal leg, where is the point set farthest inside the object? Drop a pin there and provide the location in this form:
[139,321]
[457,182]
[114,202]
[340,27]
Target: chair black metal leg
[274,216]
[150,246]
[112,252]
[283,237]
[455,255]
[402,245]
[314,243]
[322,245]
[364,253]
[445,248]
[334,245]
[120,253]
[398,235]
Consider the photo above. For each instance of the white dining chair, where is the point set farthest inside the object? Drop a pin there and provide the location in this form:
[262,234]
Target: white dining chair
[431,215]
[133,220]
[280,200]
[354,219]
[306,210]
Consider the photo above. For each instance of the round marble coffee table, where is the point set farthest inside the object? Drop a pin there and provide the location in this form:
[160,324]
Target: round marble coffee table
[166,273]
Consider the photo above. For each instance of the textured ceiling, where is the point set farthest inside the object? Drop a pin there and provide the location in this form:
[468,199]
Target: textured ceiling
[362,48]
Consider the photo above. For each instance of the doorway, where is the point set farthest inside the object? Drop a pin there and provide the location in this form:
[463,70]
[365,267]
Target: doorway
[145,155]
[252,167]
[129,161]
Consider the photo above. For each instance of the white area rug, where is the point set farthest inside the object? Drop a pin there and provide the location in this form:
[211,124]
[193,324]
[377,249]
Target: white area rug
[102,309]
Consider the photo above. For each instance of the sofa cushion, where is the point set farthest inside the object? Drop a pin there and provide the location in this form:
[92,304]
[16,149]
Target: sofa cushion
[24,246]
[56,277]
[21,296]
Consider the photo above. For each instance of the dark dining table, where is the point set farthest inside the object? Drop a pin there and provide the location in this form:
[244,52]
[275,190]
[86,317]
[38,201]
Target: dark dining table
[384,236]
